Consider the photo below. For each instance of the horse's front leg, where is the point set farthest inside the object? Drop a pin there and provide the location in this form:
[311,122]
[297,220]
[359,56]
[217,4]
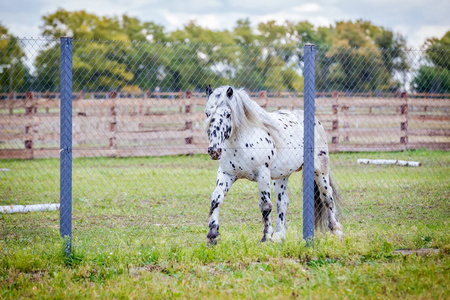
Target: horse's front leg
[265,204]
[223,184]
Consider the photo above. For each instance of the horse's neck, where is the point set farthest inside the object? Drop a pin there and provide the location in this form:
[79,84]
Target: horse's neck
[256,109]
[254,113]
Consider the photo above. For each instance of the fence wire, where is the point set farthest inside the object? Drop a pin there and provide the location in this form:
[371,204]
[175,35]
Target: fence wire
[141,173]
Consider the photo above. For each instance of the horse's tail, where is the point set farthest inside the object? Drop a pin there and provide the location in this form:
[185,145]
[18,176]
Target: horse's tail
[320,211]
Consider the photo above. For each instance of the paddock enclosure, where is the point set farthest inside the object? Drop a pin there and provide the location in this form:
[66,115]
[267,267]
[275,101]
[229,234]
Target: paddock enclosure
[141,175]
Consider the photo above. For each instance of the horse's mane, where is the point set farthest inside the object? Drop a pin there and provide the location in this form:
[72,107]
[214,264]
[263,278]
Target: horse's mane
[246,113]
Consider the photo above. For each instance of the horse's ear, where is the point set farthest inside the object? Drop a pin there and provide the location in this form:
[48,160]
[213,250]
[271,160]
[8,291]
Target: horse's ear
[230,92]
[209,90]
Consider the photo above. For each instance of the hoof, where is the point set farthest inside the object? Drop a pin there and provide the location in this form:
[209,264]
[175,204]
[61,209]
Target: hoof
[278,237]
[212,242]
[213,233]
[267,234]
[212,236]
[338,233]
[266,237]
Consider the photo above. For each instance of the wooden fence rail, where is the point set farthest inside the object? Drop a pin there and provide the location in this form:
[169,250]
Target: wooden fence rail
[172,123]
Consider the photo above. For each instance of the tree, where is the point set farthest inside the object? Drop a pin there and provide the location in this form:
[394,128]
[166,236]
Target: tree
[357,62]
[200,54]
[437,51]
[193,33]
[271,61]
[243,33]
[430,79]
[47,65]
[77,24]
[13,73]
[105,51]
[435,76]
[392,46]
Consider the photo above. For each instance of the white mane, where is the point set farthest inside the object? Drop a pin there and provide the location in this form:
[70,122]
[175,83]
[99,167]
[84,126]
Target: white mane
[247,113]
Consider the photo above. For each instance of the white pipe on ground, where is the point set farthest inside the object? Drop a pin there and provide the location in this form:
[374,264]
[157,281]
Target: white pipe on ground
[10,209]
[405,163]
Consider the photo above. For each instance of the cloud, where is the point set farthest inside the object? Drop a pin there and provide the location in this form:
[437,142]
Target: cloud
[309,12]
[252,7]
[418,37]
[187,7]
[227,20]
[309,7]
[407,17]
[211,21]
[99,7]
[281,17]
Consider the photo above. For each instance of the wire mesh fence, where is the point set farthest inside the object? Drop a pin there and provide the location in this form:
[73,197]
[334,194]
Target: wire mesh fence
[141,173]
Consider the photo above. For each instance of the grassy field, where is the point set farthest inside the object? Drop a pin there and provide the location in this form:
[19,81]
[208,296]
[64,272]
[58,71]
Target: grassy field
[139,227]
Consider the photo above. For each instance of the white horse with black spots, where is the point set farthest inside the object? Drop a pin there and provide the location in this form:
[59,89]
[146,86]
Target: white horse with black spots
[252,143]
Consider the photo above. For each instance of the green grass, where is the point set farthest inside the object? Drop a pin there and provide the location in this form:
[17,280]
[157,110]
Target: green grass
[139,227]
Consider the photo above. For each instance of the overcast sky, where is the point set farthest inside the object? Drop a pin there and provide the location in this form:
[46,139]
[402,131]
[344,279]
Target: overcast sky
[415,19]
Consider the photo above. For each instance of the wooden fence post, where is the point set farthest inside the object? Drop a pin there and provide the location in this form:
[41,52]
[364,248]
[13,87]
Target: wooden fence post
[188,106]
[188,124]
[404,125]
[29,109]
[46,97]
[345,109]
[263,95]
[113,124]
[335,122]
[278,96]
[11,98]
[81,95]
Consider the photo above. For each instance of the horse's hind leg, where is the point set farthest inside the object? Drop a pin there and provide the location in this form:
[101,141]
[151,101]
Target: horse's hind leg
[265,204]
[224,182]
[280,191]
[327,194]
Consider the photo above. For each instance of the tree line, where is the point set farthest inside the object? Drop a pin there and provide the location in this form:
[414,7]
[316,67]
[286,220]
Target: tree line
[125,54]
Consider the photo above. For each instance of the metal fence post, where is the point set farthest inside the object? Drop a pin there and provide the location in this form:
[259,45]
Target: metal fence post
[65,213]
[308,153]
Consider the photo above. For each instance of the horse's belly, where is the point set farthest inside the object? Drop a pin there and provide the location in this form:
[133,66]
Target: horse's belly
[239,168]
[244,157]
[287,162]
[289,158]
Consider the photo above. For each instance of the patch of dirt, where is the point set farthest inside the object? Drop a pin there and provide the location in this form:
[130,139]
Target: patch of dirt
[419,252]
[147,268]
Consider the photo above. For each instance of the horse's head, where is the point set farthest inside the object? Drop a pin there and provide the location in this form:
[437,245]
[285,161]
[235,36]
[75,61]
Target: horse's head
[219,125]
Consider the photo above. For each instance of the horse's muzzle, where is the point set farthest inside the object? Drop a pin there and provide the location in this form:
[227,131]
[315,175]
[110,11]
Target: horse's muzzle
[214,153]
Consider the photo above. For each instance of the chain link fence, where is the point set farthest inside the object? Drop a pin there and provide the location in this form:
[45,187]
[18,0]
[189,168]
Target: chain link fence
[140,170]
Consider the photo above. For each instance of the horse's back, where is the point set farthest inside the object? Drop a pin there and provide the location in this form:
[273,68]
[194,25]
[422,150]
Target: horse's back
[289,142]
[291,123]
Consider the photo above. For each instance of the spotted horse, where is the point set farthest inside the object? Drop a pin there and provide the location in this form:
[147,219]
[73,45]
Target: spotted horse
[251,143]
